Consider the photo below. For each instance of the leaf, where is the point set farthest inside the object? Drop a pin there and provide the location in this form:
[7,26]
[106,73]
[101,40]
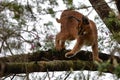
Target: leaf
[50,10]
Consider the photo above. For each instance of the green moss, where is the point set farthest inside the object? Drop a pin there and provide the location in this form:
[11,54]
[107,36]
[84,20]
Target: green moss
[111,21]
[117,71]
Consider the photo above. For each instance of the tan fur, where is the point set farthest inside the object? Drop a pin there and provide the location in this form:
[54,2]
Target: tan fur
[73,27]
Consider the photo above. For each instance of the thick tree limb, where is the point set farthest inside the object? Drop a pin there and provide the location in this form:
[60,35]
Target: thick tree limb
[50,60]
[43,66]
[54,55]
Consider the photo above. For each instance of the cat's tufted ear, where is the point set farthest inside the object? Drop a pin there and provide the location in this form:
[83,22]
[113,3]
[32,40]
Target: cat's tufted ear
[85,20]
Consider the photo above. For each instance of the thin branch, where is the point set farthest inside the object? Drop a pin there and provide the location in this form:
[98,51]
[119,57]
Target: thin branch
[90,12]
[85,7]
[2,44]
[13,76]
[68,74]
[9,48]
[48,74]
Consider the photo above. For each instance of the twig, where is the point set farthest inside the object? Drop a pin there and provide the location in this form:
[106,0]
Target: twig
[48,74]
[68,75]
[9,48]
[13,76]
[90,12]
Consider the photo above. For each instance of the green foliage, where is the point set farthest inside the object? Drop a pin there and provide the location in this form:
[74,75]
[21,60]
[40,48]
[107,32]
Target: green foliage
[117,71]
[18,9]
[112,20]
[53,2]
[50,11]
[116,36]
[113,24]
[69,4]
[103,67]
[107,66]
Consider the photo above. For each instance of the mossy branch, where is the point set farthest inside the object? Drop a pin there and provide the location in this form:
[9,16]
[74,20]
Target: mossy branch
[44,66]
[50,55]
[42,61]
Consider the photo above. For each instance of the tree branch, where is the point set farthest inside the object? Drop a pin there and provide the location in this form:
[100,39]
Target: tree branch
[55,55]
[43,66]
[42,61]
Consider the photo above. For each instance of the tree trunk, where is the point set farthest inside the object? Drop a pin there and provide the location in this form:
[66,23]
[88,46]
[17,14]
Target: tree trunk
[101,8]
[117,2]
[104,11]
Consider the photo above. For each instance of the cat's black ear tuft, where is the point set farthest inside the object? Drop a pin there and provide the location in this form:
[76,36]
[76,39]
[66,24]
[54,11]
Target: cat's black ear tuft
[85,20]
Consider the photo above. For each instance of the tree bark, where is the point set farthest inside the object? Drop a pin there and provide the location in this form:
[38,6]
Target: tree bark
[51,55]
[44,66]
[50,60]
[101,8]
[104,11]
[117,2]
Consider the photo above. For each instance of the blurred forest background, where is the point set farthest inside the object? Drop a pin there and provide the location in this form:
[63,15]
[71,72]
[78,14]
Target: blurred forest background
[28,27]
